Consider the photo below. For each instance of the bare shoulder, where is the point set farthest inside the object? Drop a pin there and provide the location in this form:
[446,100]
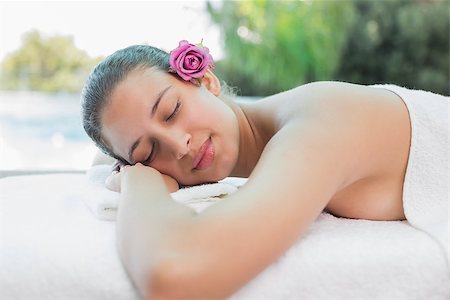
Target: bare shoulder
[329,99]
[371,124]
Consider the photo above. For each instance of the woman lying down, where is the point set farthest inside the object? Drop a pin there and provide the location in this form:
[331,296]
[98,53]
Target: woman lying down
[325,146]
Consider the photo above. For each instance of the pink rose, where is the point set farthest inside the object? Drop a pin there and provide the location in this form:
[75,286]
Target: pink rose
[190,61]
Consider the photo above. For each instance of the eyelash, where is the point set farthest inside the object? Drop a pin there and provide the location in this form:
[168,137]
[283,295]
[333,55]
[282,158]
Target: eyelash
[174,113]
[149,158]
[177,108]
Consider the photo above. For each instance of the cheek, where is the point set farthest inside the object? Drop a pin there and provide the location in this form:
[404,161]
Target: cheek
[227,143]
[170,167]
[214,114]
[228,155]
[163,166]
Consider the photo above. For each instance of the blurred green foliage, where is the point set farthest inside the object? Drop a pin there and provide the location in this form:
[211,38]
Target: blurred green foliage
[271,46]
[275,45]
[401,42]
[51,64]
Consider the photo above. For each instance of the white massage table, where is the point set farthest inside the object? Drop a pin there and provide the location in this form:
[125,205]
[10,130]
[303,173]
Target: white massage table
[53,247]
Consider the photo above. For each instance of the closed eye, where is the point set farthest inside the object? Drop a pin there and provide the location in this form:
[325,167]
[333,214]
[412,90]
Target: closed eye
[175,111]
[150,157]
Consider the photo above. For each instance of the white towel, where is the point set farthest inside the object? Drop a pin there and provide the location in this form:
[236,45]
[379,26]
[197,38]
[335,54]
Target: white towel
[426,187]
[341,259]
[73,255]
[104,202]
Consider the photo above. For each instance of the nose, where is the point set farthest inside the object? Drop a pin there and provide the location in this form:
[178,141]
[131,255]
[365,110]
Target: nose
[179,143]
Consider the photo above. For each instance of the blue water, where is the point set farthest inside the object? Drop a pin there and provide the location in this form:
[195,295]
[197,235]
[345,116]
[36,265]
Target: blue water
[40,130]
[40,115]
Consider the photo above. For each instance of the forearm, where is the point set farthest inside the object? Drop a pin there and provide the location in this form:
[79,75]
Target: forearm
[149,224]
[214,254]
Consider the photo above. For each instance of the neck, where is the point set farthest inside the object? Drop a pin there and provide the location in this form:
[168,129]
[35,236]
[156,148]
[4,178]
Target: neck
[252,139]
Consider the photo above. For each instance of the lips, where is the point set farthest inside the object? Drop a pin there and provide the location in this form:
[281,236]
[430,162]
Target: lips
[205,156]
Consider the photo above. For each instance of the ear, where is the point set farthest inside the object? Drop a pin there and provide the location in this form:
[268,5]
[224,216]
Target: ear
[211,82]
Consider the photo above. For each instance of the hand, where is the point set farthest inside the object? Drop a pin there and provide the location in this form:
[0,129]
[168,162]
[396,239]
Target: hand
[171,183]
[117,165]
[113,181]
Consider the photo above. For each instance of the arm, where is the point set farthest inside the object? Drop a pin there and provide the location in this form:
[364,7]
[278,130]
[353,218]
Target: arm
[213,254]
[113,181]
[147,223]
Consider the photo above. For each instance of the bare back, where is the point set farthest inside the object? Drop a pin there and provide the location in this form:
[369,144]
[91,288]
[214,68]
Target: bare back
[378,119]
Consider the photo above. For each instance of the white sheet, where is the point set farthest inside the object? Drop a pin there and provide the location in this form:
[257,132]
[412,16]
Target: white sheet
[52,247]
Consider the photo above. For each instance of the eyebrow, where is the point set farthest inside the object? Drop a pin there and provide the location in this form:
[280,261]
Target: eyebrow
[154,109]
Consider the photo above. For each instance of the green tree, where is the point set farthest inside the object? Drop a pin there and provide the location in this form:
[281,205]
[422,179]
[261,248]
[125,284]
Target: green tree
[400,42]
[272,45]
[45,64]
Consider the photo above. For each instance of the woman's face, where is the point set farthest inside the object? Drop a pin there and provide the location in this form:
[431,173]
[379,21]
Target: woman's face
[173,126]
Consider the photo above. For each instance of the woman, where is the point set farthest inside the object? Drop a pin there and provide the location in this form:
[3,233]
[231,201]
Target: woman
[331,146]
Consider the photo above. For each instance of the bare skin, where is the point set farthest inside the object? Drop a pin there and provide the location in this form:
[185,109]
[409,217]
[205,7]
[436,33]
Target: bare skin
[374,191]
[337,147]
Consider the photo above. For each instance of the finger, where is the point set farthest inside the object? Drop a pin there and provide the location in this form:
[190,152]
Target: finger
[113,182]
[116,165]
[123,167]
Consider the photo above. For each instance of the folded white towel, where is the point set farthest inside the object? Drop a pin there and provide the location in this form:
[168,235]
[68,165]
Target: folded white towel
[426,187]
[104,202]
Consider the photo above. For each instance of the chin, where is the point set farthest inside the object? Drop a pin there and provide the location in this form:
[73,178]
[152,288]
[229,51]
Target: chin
[207,177]
[219,175]
[216,172]
[211,178]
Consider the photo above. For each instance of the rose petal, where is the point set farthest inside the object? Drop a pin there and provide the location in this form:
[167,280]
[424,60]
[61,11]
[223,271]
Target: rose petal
[183,42]
[192,62]
[184,75]
[174,54]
